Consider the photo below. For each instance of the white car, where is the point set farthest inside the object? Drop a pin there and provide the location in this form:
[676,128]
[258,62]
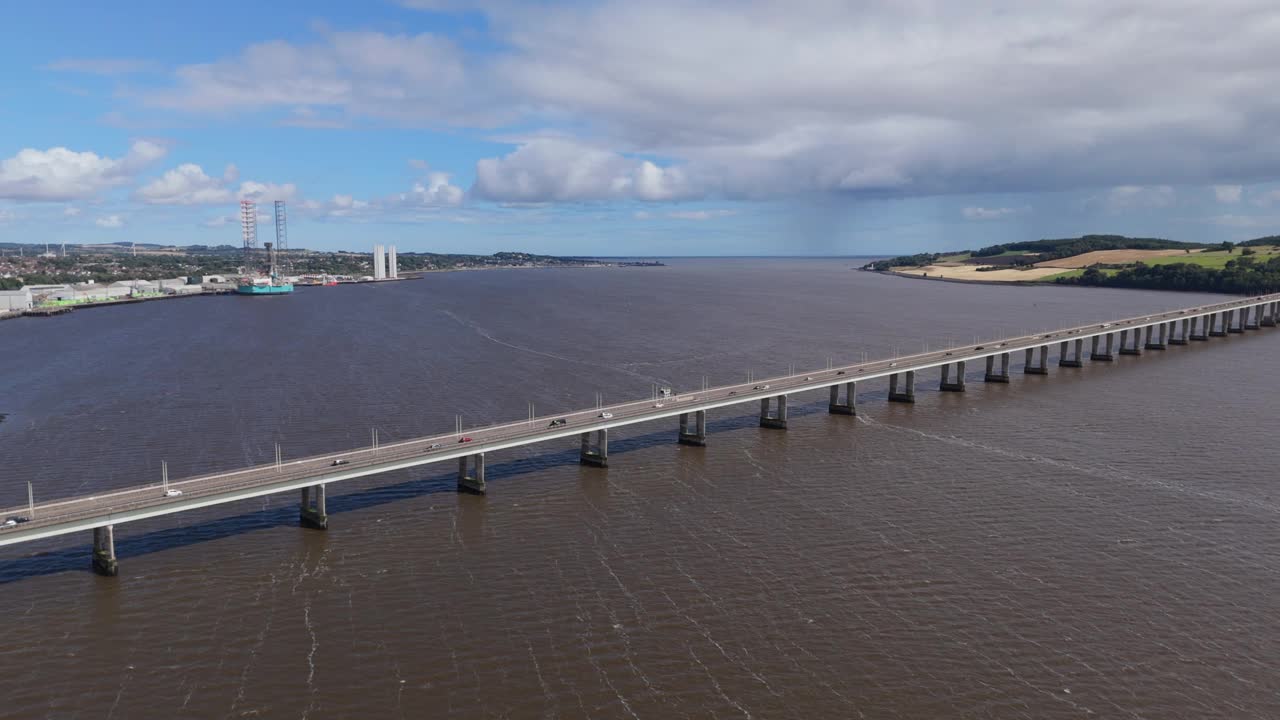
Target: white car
[606,415]
[172,493]
[10,523]
[657,404]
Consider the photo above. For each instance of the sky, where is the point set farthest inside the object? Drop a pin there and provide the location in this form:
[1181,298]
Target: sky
[664,127]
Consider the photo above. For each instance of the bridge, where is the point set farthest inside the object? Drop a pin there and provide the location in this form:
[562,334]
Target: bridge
[100,512]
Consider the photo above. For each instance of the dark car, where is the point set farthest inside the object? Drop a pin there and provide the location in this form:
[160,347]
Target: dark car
[839,372]
[557,422]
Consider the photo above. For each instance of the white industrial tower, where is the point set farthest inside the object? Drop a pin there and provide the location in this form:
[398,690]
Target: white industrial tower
[379,263]
[393,270]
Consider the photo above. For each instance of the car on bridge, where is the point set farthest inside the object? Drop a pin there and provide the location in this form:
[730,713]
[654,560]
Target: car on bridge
[464,439]
[557,422]
[336,463]
[606,415]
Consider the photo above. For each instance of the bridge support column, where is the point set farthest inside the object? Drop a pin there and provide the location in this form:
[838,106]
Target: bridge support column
[1064,354]
[1179,338]
[104,551]
[850,404]
[908,393]
[697,438]
[473,482]
[1233,326]
[1160,332]
[599,457]
[1256,313]
[1106,356]
[1213,326]
[776,420]
[1003,375]
[1043,368]
[311,511]
[1124,342]
[1268,313]
[1203,322]
[949,386]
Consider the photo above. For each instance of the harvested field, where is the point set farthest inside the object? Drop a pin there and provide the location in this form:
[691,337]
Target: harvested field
[970,272]
[1109,257]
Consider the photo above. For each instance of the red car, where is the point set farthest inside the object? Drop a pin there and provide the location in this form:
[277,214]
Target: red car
[465,439]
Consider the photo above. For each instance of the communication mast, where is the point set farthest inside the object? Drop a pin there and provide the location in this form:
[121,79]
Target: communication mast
[249,231]
[282,234]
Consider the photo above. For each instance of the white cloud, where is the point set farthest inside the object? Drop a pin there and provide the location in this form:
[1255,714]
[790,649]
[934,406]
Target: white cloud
[700,214]
[562,170]
[71,211]
[1229,194]
[219,221]
[7,216]
[436,191]
[1127,197]
[62,174]
[982,213]
[109,221]
[188,184]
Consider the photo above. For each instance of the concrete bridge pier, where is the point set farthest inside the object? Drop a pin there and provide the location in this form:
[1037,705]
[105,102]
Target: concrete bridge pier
[1102,356]
[473,482]
[908,393]
[1203,322]
[1043,368]
[1268,314]
[1176,338]
[1213,326]
[1003,375]
[104,551]
[1125,349]
[776,420]
[599,457]
[1234,326]
[1064,354]
[948,385]
[311,511]
[1256,314]
[697,438]
[1161,333]
[850,404]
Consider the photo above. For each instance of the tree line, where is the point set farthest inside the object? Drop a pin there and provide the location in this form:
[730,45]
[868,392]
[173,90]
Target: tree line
[1241,276]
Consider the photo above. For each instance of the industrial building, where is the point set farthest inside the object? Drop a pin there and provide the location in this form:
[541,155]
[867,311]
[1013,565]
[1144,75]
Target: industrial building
[11,300]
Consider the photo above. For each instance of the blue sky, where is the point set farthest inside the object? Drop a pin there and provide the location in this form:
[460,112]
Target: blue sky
[669,127]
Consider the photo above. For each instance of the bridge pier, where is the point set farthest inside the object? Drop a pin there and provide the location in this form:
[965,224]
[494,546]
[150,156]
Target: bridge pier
[104,551]
[474,482]
[1159,342]
[1064,354]
[1176,338]
[697,438]
[1124,342]
[1003,375]
[946,385]
[599,457]
[311,511]
[1101,356]
[850,404]
[1256,312]
[1213,326]
[1233,326]
[1203,322]
[776,420]
[1268,313]
[908,393]
[1043,367]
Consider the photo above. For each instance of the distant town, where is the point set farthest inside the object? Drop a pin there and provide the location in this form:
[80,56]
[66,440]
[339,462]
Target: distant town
[47,279]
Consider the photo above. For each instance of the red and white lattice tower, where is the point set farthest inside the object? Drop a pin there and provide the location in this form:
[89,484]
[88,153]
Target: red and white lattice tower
[249,230]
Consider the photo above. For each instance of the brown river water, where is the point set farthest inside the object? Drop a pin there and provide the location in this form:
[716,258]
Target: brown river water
[1099,542]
